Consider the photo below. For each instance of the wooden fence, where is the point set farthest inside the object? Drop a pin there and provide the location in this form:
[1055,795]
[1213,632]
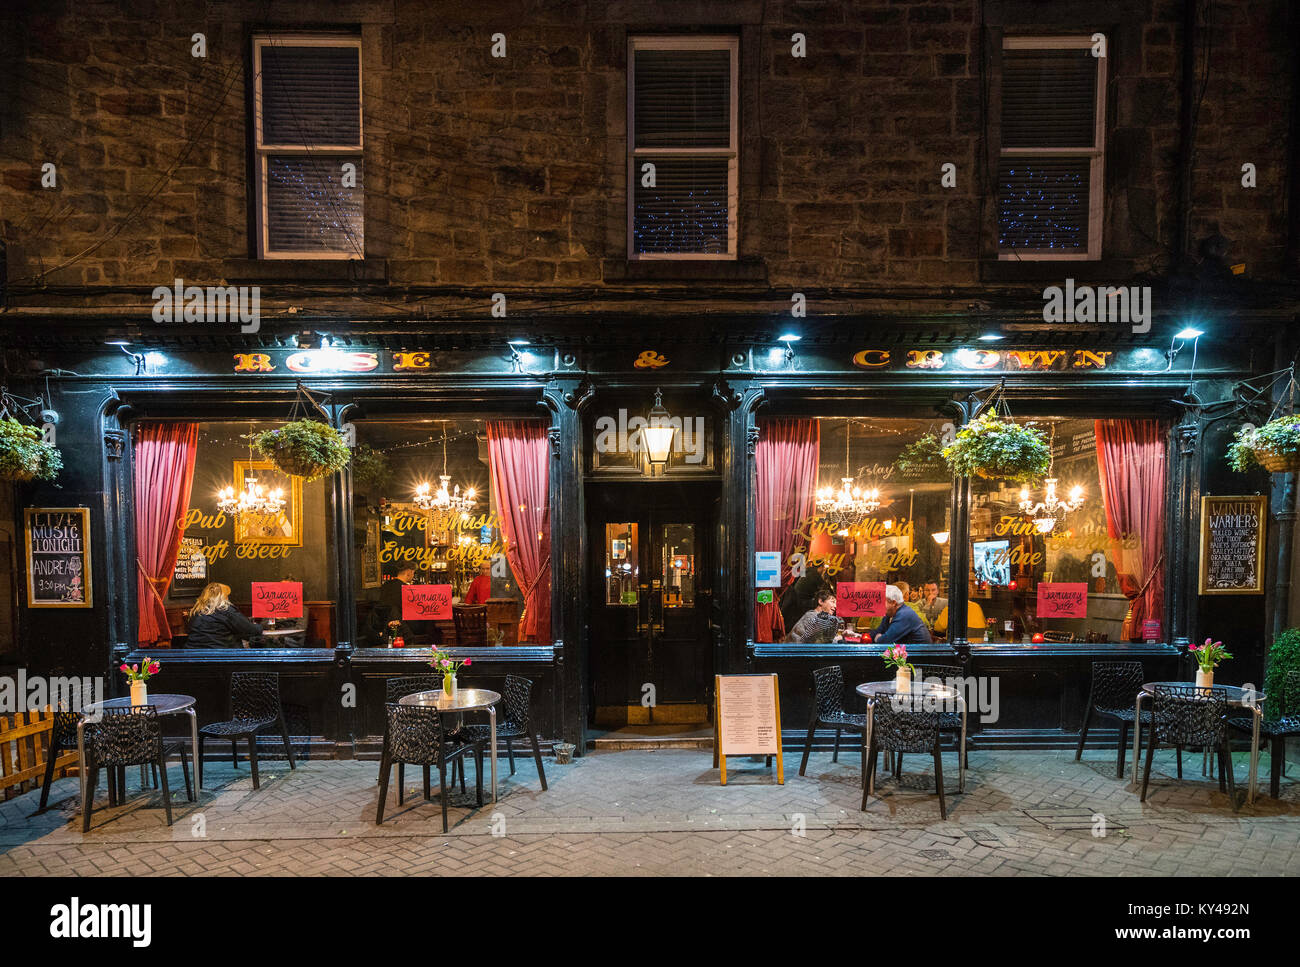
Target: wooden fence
[24,744]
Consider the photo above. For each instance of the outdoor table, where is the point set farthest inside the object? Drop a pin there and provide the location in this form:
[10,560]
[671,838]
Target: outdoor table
[463,700]
[1236,697]
[166,705]
[872,691]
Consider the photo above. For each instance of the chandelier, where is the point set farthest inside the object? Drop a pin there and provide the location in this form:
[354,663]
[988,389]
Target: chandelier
[446,501]
[1047,512]
[254,498]
[846,506]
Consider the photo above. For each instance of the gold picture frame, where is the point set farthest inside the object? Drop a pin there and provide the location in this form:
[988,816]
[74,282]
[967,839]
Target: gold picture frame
[284,528]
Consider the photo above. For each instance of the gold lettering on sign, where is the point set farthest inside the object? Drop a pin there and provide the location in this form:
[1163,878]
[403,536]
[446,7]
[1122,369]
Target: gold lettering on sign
[253,363]
[405,361]
[871,358]
[1087,359]
[1035,358]
[924,359]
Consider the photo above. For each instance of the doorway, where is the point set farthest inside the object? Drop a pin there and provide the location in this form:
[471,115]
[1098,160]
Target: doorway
[650,602]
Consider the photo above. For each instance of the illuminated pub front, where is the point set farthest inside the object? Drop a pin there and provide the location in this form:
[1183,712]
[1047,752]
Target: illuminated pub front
[621,569]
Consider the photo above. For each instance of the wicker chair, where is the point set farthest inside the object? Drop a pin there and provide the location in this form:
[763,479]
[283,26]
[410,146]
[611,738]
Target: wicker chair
[416,736]
[904,723]
[1276,729]
[828,709]
[471,624]
[396,689]
[1184,715]
[518,697]
[1115,685]
[254,704]
[130,737]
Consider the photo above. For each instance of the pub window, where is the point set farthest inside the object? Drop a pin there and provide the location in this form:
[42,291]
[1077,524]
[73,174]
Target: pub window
[272,557]
[682,141]
[308,147]
[1050,199]
[451,532]
[1094,573]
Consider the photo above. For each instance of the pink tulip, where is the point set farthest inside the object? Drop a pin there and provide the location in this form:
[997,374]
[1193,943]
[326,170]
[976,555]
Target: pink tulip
[469,661]
[124,668]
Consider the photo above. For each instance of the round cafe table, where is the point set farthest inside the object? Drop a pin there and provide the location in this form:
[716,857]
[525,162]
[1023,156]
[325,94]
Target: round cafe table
[463,700]
[1236,696]
[873,691]
[166,704]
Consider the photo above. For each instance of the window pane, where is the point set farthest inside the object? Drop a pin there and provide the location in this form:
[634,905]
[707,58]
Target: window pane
[309,210]
[686,211]
[683,99]
[677,542]
[1043,203]
[1049,98]
[622,567]
[311,95]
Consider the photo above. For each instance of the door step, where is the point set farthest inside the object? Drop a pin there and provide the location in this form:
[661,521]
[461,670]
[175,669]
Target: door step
[645,737]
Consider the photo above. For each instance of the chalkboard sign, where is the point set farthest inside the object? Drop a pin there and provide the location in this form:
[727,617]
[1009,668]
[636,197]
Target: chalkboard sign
[58,557]
[1232,544]
[747,720]
[191,574]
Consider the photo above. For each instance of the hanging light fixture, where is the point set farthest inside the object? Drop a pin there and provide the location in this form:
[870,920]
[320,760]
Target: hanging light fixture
[253,498]
[658,434]
[1052,508]
[447,500]
[847,506]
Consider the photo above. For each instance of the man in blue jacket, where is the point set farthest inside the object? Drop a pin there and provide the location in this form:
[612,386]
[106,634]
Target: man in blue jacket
[902,625]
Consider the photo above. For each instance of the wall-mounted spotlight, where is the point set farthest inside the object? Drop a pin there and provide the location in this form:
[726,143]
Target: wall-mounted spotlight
[517,356]
[137,358]
[991,337]
[1181,339]
[789,338]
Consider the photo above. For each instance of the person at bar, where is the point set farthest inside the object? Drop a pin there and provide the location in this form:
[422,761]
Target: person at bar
[974,620]
[902,625]
[819,625]
[932,605]
[216,623]
[480,589]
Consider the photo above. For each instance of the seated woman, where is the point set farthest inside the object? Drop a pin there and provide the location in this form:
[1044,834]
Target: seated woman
[216,623]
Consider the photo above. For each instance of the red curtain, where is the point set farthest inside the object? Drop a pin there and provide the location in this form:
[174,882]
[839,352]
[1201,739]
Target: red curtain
[1132,461]
[785,461]
[519,458]
[164,474]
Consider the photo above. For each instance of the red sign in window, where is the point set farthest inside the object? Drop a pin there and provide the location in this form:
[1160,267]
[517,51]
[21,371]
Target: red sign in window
[277,599]
[426,602]
[1062,600]
[855,599]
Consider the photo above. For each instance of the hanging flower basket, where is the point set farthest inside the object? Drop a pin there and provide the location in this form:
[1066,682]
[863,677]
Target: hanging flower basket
[1275,446]
[998,449]
[24,454]
[922,459]
[304,448]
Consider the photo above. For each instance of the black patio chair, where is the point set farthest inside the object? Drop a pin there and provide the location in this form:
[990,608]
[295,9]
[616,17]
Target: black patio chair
[950,720]
[416,736]
[1115,685]
[254,704]
[828,709]
[63,738]
[1184,715]
[518,698]
[130,737]
[398,688]
[904,723]
[1275,729]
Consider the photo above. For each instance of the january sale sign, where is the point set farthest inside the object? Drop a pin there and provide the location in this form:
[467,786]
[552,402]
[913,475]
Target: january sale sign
[426,602]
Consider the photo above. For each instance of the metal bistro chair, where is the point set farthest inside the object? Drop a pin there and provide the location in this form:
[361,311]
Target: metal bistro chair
[254,704]
[904,723]
[949,721]
[63,737]
[471,623]
[1187,715]
[518,697]
[416,736]
[396,689]
[131,737]
[828,709]
[1275,728]
[1115,685]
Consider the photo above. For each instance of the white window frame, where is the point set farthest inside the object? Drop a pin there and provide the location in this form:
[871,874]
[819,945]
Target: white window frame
[1095,154]
[635,155]
[263,151]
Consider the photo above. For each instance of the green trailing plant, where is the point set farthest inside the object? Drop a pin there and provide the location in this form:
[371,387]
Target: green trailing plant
[370,467]
[1274,446]
[304,448]
[24,454]
[994,448]
[1283,657]
[922,459]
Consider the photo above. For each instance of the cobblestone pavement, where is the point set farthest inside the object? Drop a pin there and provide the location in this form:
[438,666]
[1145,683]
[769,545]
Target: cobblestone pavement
[664,813]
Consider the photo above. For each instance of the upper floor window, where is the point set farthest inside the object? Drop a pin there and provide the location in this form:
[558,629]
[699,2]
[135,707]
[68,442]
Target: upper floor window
[1053,138]
[308,148]
[682,147]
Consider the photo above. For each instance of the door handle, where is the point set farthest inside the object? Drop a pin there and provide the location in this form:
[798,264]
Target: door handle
[643,625]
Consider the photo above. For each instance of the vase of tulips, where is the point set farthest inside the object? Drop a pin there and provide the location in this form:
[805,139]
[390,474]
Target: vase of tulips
[1207,656]
[448,666]
[138,676]
[896,658]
